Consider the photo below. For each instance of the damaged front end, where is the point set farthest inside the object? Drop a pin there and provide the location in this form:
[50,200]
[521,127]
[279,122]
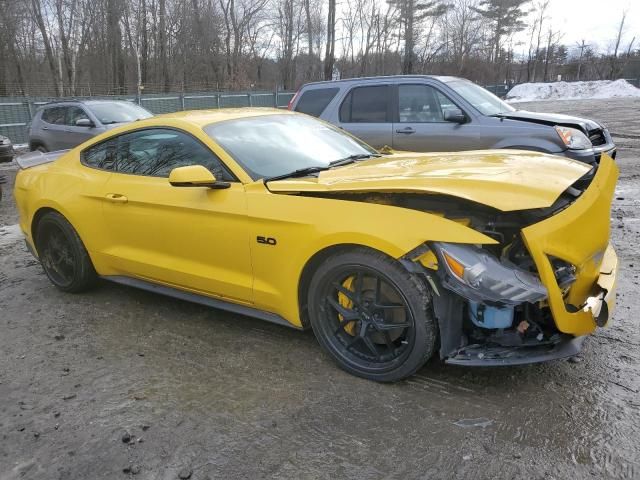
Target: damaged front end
[533,297]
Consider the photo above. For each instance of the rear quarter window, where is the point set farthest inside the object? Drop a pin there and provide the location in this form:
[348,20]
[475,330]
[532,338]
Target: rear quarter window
[313,102]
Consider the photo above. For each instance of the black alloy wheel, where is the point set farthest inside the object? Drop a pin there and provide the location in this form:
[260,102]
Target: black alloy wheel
[63,255]
[371,315]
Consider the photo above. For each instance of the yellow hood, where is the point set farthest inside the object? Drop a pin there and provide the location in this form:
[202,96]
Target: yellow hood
[503,179]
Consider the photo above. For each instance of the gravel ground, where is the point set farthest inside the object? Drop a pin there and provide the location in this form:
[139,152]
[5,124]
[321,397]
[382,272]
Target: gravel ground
[120,382]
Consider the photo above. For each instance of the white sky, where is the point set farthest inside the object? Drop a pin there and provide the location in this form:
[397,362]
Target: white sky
[595,21]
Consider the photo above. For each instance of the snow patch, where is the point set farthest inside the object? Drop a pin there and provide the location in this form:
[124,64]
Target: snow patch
[529,92]
[10,234]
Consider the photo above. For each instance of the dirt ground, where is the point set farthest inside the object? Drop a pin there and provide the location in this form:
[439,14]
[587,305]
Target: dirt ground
[120,382]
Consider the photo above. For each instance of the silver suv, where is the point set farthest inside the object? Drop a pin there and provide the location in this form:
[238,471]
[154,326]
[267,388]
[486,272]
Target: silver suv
[62,125]
[438,114]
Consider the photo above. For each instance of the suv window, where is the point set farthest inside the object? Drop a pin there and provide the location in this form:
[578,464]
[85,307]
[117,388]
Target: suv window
[422,104]
[366,105]
[153,152]
[74,114]
[313,102]
[54,115]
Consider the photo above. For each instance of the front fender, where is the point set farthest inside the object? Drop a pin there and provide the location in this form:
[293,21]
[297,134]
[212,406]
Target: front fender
[530,144]
[303,226]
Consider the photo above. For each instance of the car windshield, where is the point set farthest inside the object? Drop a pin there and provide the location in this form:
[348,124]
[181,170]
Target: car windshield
[118,112]
[482,99]
[273,145]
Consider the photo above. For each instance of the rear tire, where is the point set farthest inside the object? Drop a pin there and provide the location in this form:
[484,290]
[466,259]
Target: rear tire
[372,316]
[62,254]
[41,149]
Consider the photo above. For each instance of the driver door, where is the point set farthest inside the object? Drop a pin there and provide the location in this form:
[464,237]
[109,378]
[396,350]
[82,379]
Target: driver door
[193,238]
[420,124]
[74,134]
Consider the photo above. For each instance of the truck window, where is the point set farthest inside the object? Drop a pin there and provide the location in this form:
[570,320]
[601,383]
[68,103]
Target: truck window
[313,102]
[366,105]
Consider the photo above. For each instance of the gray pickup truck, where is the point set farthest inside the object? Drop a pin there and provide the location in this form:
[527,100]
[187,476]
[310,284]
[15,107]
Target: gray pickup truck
[437,114]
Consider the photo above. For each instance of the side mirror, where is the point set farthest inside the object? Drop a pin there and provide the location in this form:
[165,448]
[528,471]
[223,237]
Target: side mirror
[195,176]
[454,115]
[84,122]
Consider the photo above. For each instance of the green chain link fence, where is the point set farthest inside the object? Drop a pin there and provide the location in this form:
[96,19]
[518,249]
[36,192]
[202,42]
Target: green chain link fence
[17,112]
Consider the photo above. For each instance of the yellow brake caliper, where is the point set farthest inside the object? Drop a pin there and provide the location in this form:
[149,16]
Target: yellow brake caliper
[344,301]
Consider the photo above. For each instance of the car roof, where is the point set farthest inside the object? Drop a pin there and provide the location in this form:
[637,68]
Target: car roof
[441,78]
[203,118]
[84,102]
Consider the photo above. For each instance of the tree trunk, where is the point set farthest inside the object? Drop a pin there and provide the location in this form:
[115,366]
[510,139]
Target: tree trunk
[329,58]
[37,13]
[162,40]
[307,11]
[408,17]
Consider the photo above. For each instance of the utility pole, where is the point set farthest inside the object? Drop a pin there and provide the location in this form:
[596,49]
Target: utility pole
[581,46]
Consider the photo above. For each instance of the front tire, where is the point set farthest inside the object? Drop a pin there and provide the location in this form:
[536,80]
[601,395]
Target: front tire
[371,315]
[62,254]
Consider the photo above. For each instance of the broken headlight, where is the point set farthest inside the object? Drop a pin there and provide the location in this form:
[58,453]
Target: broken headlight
[573,138]
[477,275]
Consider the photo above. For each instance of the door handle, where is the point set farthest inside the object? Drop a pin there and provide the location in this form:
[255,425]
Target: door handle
[45,128]
[406,130]
[116,198]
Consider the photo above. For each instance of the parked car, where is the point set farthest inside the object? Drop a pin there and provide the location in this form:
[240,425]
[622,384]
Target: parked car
[439,114]
[492,258]
[6,149]
[63,125]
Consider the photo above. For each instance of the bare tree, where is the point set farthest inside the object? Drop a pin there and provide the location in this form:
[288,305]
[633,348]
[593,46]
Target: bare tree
[330,58]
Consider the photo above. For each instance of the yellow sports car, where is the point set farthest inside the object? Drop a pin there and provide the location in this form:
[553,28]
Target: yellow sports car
[489,258]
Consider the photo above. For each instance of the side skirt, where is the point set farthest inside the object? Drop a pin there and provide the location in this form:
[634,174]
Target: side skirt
[201,299]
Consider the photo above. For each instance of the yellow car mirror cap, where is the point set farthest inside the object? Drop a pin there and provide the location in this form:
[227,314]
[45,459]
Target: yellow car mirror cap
[195,176]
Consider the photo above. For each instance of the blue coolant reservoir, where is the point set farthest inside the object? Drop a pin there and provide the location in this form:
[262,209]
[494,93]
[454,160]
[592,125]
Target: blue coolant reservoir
[485,316]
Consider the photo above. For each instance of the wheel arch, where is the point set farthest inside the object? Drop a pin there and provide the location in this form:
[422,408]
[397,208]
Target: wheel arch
[37,216]
[35,143]
[41,211]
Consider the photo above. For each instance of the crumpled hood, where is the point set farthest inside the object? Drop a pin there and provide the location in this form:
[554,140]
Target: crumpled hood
[507,180]
[552,119]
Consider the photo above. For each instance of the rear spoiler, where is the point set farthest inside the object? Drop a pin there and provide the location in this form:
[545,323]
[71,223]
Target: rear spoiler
[33,159]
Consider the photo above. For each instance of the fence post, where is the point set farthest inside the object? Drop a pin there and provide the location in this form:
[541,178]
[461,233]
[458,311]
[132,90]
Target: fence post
[218,101]
[275,98]
[29,107]
[250,102]
[182,100]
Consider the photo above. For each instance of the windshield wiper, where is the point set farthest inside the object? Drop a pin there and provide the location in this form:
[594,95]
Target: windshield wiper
[303,172]
[353,158]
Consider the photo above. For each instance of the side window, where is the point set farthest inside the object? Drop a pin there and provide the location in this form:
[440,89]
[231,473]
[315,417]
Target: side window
[366,105]
[421,104]
[313,102]
[74,114]
[102,155]
[54,115]
[155,152]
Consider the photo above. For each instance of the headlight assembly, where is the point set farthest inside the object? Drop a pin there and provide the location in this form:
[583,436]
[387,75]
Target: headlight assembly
[573,138]
[477,275]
